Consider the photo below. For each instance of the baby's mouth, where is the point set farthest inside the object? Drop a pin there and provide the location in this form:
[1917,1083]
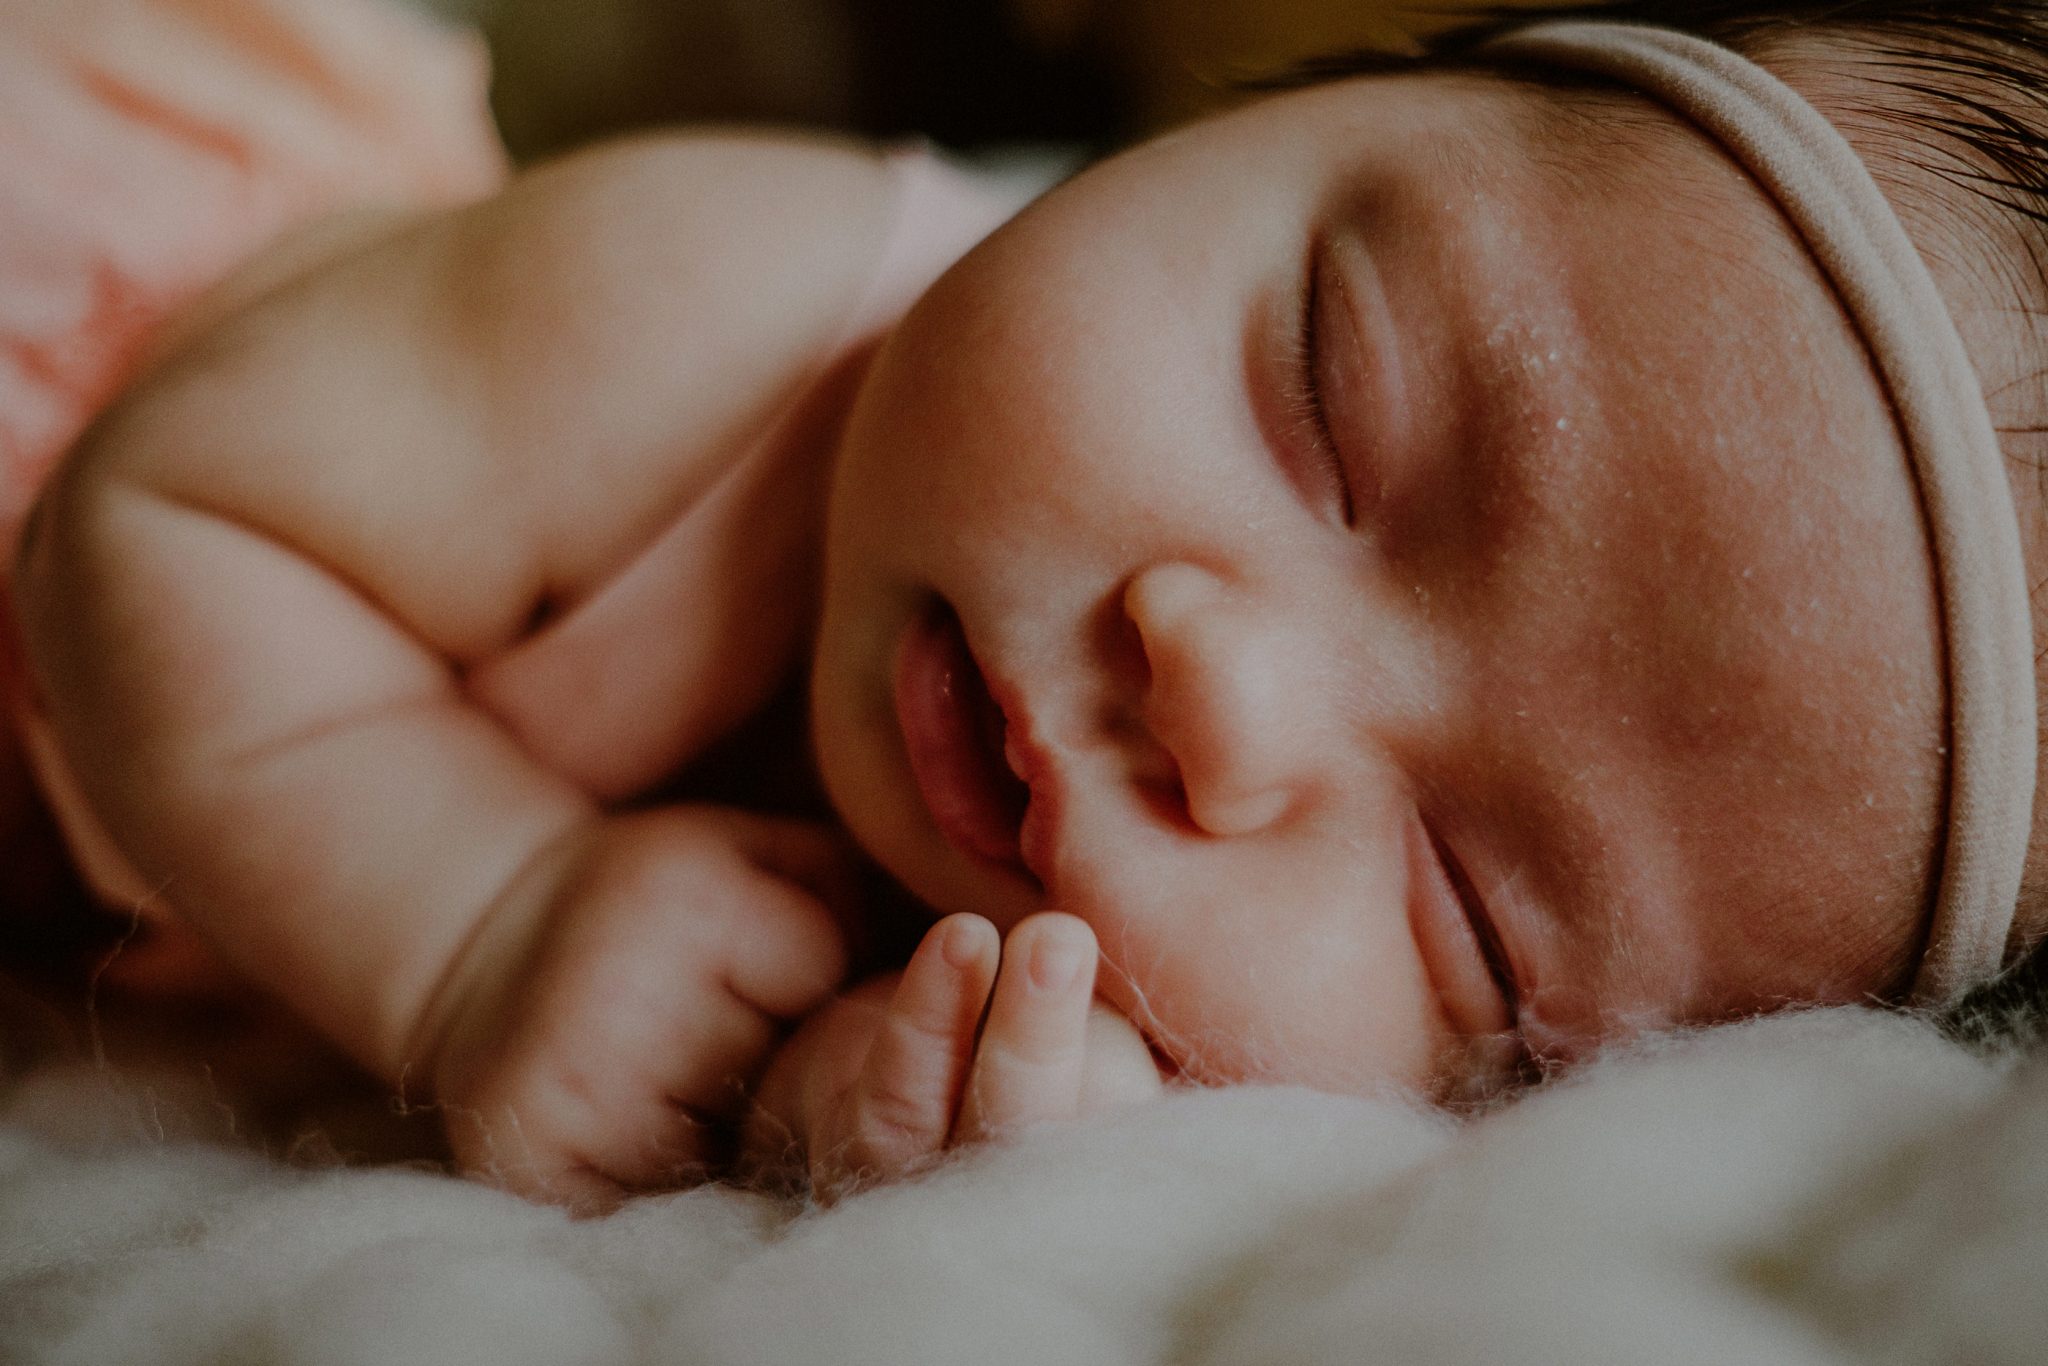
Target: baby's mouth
[954,733]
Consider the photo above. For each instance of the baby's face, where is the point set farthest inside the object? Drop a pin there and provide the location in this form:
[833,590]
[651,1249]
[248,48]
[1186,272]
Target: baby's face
[1448,575]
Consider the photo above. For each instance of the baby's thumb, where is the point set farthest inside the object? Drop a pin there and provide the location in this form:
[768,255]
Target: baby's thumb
[1120,1068]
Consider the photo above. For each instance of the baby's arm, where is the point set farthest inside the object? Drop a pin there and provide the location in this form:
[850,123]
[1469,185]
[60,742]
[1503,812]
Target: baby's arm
[951,1051]
[252,597]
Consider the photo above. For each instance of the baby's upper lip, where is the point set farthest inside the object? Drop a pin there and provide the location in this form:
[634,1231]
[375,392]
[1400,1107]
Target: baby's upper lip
[1037,762]
[1042,837]
[1031,762]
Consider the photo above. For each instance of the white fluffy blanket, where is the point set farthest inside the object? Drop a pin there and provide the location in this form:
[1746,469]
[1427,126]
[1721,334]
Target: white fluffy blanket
[1837,1187]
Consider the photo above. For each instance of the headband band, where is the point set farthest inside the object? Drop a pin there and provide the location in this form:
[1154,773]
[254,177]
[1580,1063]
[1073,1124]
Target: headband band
[1830,197]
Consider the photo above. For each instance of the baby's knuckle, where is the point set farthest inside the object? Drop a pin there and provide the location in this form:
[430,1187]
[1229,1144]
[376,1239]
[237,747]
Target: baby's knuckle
[895,1118]
[816,966]
[1031,1056]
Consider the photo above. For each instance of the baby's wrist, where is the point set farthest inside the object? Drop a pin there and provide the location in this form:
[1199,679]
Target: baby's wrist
[430,1034]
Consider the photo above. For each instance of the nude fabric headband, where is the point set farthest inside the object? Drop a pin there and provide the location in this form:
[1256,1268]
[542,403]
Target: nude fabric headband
[1829,196]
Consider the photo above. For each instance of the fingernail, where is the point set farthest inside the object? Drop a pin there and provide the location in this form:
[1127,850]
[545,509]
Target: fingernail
[960,941]
[1056,960]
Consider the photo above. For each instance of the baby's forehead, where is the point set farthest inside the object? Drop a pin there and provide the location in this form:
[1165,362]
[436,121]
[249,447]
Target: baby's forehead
[1571,140]
[1552,153]
[1594,145]
[1929,131]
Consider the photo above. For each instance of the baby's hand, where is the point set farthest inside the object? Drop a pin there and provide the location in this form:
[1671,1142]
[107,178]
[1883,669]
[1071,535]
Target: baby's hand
[889,1076]
[604,1029]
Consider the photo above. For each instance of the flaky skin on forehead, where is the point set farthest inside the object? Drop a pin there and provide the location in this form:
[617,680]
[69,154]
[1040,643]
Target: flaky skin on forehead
[1958,89]
[1948,100]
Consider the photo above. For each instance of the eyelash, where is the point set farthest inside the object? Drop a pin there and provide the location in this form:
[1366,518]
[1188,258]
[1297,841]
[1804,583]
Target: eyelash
[1305,395]
[1498,965]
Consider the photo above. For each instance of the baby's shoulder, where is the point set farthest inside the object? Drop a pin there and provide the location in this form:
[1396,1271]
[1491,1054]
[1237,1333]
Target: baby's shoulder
[689,178]
[783,239]
[772,233]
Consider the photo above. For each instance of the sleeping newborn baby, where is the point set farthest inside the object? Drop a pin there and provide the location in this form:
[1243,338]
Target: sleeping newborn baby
[1394,586]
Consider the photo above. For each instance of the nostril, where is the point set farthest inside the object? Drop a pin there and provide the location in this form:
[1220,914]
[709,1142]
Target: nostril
[1166,797]
[1120,647]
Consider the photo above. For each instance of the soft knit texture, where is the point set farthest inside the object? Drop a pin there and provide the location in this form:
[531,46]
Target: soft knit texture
[147,147]
[1820,1189]
[1829,196]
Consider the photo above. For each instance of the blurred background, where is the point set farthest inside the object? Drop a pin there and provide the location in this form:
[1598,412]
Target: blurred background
[968,73]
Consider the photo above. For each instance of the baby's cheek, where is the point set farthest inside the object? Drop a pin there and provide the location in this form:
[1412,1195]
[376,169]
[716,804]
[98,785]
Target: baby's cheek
[1120,1069]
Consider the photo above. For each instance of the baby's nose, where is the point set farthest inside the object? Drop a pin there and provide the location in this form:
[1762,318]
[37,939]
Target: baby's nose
[1224,696]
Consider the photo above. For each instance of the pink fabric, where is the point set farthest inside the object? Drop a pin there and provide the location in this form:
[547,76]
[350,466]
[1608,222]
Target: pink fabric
[149,147]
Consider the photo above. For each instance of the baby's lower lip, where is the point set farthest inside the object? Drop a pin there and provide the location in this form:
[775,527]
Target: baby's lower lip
[953,734]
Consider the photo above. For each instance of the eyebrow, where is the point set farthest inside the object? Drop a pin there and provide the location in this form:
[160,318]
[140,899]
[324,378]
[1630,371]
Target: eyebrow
[1572,125]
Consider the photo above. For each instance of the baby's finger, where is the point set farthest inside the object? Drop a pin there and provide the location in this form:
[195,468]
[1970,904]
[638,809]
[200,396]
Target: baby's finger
[1120,1069]
[494,1143]
[782,947]
[685,1115]
[1033,1052]
[572,1185]
[659,1114]
[900,1110]
[818,858]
